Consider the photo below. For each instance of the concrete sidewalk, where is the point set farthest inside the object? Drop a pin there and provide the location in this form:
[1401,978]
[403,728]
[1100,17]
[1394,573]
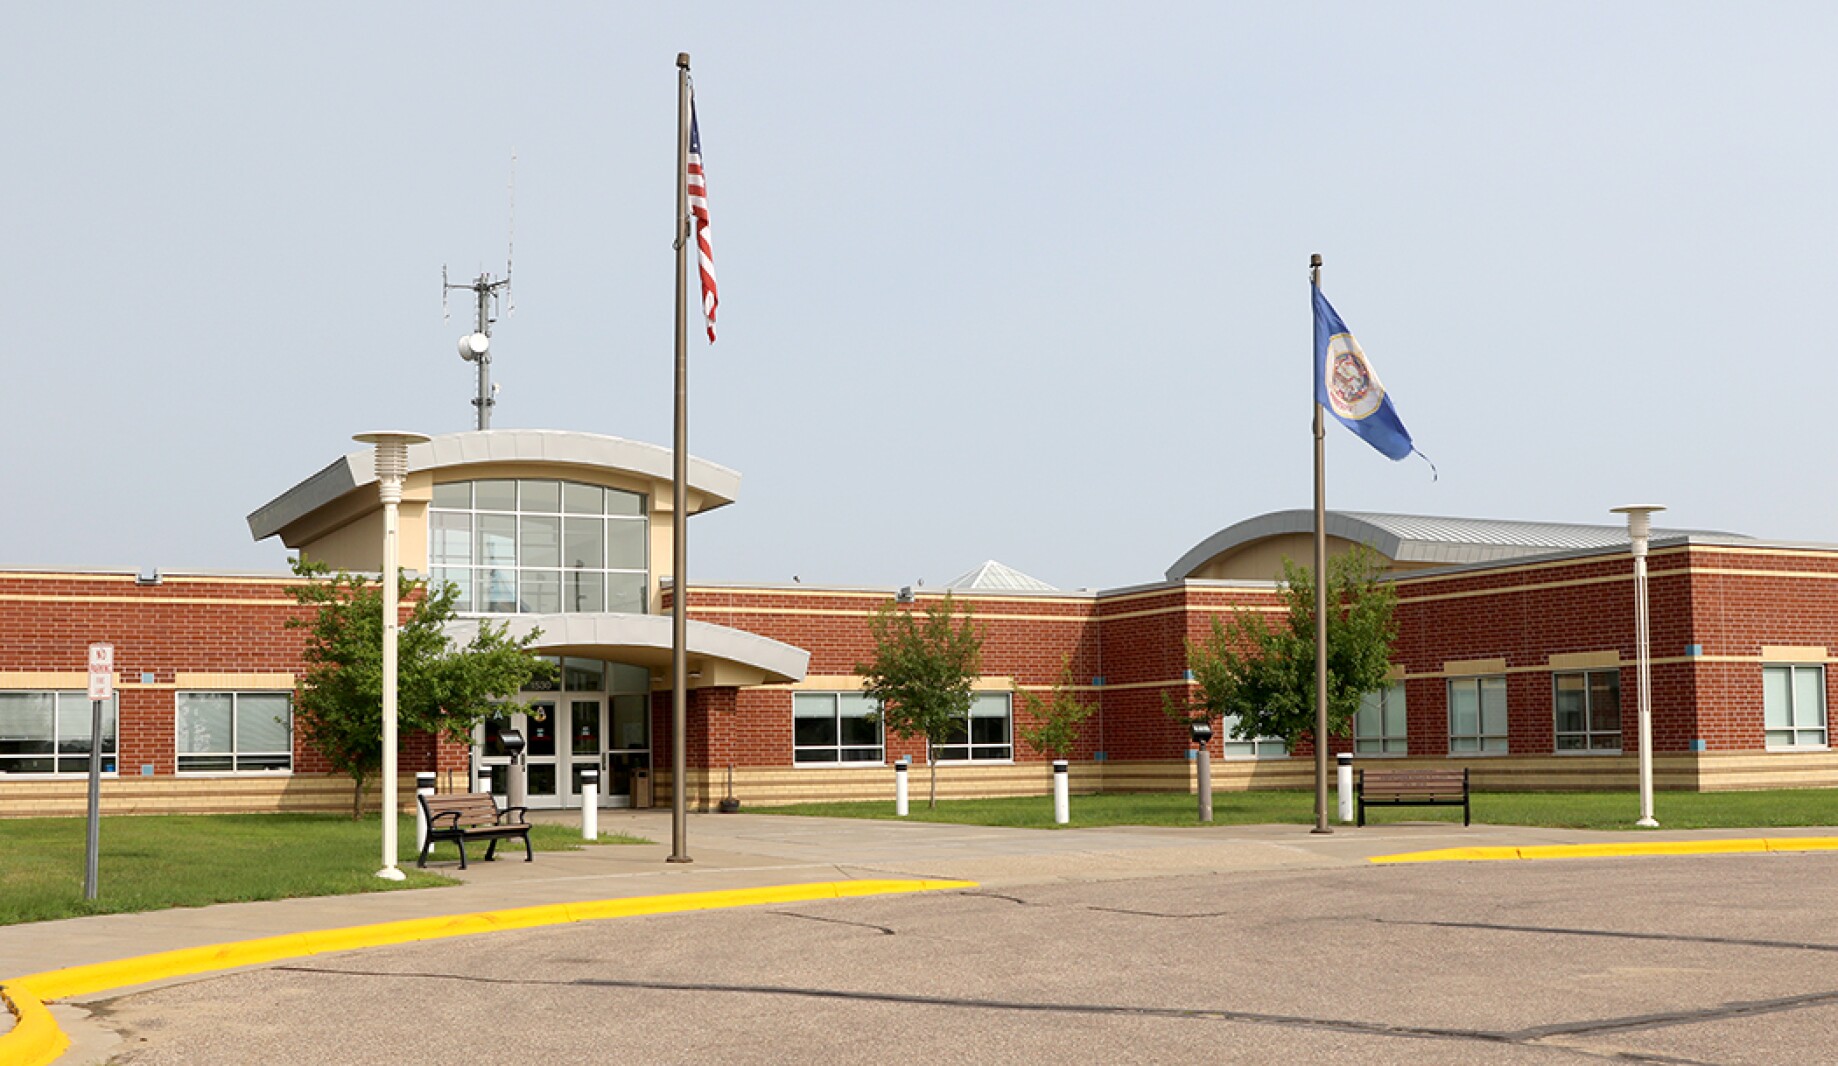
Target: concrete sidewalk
[752,851]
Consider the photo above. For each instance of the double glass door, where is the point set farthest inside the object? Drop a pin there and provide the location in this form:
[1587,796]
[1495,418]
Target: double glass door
[566,735]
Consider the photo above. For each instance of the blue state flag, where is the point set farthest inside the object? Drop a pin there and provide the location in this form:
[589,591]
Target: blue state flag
[1349,388]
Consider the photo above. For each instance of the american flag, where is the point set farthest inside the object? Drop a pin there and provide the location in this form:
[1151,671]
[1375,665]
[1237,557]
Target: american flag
[698,209]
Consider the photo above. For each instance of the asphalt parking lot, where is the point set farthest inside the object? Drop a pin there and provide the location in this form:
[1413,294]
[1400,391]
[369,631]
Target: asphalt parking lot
[1701,959]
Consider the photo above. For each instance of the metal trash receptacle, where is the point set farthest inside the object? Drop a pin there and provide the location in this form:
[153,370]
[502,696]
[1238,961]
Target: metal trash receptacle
[641,787]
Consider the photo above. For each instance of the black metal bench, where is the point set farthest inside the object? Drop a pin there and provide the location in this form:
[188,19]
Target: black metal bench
[460,817]
[1413,788]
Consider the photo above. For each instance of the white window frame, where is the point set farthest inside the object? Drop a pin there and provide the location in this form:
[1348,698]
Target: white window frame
[1589,735]
[475,568]
[1255,748]
[1797,722]
[111,747]
[804,755]
[235,754]
[981,752]
[1485,743]
[1385,708]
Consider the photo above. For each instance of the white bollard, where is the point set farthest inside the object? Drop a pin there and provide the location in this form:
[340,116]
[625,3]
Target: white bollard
[590,805]
[1062,804]
[424,786]
[899,789]
[1343,783]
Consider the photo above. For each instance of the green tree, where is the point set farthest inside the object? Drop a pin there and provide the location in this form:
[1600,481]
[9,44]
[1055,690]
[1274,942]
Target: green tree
[1265,673]
[1056,721]
[921,674]
[440,689]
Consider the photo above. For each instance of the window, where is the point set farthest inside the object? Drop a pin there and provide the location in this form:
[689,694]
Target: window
[1588,710]
[532,546]
[1378,725]
[234,732]
[1793,706]
[833,727]
[48,733]
[1255,748]
[985,734]
[1477,714]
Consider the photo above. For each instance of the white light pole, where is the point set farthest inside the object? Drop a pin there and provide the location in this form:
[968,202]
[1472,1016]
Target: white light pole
[391,460]
[1639,528]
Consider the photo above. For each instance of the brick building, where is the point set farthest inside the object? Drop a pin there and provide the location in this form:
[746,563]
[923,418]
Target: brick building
[1515,652]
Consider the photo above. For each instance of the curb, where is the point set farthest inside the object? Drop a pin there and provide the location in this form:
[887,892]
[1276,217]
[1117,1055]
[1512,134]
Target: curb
[1605,851]
[36,1040]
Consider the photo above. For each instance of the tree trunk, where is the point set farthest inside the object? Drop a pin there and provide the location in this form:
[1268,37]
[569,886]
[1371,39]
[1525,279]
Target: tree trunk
[931,760]
[357,797]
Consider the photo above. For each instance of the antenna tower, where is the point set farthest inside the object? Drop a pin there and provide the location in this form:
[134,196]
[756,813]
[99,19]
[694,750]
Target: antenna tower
[476,346]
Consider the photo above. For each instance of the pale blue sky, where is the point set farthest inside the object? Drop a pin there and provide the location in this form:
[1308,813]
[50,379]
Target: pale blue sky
[1014,281]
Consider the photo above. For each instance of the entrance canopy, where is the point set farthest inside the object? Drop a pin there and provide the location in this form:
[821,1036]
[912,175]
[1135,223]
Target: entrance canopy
[718,655]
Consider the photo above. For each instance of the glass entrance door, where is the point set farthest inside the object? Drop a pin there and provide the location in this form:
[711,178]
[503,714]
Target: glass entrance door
[597,717]
[586,743]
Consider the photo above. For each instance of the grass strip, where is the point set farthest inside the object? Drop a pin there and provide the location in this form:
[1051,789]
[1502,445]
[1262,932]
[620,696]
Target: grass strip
[152,862]
[1777,809]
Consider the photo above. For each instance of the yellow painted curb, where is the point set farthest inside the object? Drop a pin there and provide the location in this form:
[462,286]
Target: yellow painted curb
[1629,849]
[36,1040]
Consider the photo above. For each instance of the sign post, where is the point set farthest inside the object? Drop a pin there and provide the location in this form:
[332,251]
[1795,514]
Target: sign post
[101,689]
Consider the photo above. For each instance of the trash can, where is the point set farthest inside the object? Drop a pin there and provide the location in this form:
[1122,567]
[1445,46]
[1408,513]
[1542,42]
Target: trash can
[641,787]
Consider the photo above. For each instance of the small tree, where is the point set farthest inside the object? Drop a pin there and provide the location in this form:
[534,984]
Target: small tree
[441,689]
[1056,721]
[921,674]
[1265,674]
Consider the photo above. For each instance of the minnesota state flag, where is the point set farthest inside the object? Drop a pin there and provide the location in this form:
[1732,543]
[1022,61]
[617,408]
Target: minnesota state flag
[1349,388]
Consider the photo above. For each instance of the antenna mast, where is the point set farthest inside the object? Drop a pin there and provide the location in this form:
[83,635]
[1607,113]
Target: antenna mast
[476,346]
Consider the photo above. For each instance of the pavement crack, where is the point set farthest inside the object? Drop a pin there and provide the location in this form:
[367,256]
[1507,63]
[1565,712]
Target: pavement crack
[1162,914]
[1615,934]
[835,921]
[1665,1019]
[1017,900]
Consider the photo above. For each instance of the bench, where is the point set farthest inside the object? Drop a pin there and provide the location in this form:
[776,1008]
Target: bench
[460,817]
[1413,788]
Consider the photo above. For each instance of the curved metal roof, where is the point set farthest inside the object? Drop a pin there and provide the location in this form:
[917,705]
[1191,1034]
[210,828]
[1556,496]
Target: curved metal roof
[644,640]
[717,485]
[1425,539]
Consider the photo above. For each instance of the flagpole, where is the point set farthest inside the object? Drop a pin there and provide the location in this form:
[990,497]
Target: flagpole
[1321,826]
[679,583]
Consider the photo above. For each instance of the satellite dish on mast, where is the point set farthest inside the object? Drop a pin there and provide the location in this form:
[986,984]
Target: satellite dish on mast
[474,345]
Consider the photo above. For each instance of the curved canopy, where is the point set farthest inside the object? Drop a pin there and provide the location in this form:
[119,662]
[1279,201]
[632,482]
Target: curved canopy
[720,654]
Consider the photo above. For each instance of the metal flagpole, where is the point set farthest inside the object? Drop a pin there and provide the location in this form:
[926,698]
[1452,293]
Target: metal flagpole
[1321,826]
[679,584]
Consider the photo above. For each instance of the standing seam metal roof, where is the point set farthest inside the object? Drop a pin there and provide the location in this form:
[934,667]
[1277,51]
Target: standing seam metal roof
[1425,538]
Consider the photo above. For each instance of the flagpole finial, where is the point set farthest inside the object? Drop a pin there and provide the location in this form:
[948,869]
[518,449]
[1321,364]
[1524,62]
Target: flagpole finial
[682,60]
[1315,260]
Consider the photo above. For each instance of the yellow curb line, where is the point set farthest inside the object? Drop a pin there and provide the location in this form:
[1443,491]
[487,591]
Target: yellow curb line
[36,1040]
[1622,850]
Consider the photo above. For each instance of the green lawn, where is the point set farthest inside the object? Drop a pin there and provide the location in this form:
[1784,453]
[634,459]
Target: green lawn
[158,861]
[1574,810]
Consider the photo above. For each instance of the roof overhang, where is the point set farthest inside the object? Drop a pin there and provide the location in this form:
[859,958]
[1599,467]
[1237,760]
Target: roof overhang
[710,485]
[721,655]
